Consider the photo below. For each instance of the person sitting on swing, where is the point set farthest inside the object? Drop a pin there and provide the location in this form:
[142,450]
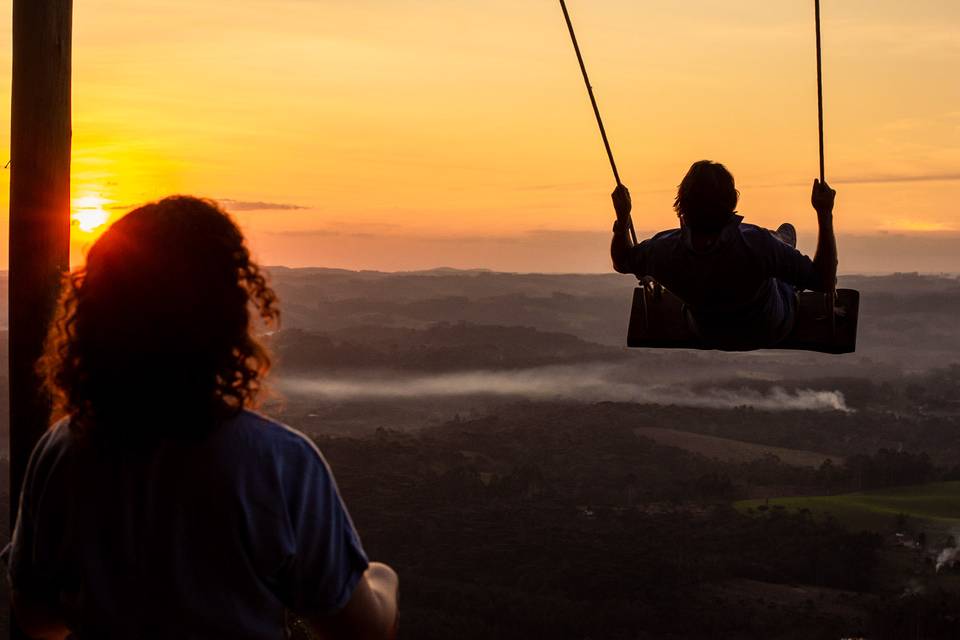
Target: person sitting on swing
[739,282]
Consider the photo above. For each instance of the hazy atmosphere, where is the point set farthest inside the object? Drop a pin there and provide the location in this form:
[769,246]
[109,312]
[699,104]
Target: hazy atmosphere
[431,279]
[414,134]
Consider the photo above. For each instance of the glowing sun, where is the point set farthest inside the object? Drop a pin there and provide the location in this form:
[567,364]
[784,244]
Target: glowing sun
[88,213]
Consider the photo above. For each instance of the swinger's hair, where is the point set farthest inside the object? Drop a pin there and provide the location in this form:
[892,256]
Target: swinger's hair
[707,197]
[154,335]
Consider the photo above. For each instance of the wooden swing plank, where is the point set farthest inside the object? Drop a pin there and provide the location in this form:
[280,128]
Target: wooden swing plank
[657,322]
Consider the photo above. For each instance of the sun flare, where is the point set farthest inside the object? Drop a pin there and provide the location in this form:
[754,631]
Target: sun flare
[88,213]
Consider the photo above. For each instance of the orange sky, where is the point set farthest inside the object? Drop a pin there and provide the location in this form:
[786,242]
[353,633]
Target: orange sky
[412,133]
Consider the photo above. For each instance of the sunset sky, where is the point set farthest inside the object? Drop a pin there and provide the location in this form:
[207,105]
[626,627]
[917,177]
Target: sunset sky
[403,134]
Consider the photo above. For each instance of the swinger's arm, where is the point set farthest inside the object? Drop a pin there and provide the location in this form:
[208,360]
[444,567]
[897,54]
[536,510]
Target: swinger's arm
[825,259]
[622,244]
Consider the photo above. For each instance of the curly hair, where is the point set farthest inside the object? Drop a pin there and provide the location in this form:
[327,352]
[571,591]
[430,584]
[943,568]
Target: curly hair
[707,197]
[154,335]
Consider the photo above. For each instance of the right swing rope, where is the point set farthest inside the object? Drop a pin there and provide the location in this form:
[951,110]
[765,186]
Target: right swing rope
[830,298]
[816,11]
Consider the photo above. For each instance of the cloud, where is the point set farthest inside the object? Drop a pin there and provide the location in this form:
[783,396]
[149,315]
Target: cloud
[885,179]
[256,205]
[868,179]
[230,205]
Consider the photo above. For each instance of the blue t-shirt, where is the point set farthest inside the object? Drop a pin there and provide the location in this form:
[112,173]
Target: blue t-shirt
[740,292]
[215,538]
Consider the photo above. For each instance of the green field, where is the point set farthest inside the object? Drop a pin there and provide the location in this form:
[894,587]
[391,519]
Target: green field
[936,504]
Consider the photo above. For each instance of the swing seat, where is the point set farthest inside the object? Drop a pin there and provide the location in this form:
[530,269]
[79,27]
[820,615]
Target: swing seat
[657,322]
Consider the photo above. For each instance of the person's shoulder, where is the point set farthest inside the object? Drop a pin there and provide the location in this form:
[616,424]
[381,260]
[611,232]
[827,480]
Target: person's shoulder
[266,434]
[669,234]
[277,450]
[57,439]
[747,228]
[668,237]
[55,446]
[758,237]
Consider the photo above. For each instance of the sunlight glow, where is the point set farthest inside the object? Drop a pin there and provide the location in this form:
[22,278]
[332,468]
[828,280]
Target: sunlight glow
[480,139]
[88,213]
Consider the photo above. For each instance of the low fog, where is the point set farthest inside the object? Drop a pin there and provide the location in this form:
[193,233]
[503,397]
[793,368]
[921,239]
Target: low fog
[584,383]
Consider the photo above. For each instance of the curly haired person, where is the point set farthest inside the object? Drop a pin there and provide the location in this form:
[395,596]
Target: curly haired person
[160,505]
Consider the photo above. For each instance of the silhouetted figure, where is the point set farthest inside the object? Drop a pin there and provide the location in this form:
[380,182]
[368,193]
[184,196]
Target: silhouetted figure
[159,505]
[739,282]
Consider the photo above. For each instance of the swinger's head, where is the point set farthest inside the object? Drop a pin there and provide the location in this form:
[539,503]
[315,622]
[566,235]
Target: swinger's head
[158,322]
[707,197]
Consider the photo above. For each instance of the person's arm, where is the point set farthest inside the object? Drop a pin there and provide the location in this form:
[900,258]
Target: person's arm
[825,260]
[36,619]
[370,614]
[327,581]
[621,246]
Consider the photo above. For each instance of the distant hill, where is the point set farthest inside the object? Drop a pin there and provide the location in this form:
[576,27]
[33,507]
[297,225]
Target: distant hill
[907,320]
[438,347]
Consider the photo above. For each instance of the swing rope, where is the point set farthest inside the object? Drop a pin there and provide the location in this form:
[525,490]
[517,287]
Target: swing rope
[603,132]
[830,298]
[596,109]
[816,9]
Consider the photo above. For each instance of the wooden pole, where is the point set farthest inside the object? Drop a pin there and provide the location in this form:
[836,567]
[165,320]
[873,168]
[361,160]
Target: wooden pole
[39,208]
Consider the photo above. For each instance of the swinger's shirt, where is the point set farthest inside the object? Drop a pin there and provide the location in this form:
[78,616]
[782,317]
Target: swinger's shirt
[212,538]
[738,293]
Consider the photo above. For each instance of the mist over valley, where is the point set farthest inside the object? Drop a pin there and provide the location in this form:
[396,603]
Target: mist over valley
[503,449]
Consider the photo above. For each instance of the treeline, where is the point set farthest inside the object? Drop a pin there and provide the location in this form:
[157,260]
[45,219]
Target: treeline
[832,432]
[495,543]
[509,527]
[936,391]
[885,468]
[440,347]
[882,469]
[593,456]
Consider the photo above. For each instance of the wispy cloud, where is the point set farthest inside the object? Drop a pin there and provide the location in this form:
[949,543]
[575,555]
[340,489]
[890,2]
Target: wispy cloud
[869,179]
[229,204]
[884,179]
[256,205]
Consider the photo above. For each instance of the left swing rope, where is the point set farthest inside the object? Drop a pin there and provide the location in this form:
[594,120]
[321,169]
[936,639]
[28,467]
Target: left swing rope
[596,109]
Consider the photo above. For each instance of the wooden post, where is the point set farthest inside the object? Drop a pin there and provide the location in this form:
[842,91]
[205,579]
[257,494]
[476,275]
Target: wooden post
[39,208]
